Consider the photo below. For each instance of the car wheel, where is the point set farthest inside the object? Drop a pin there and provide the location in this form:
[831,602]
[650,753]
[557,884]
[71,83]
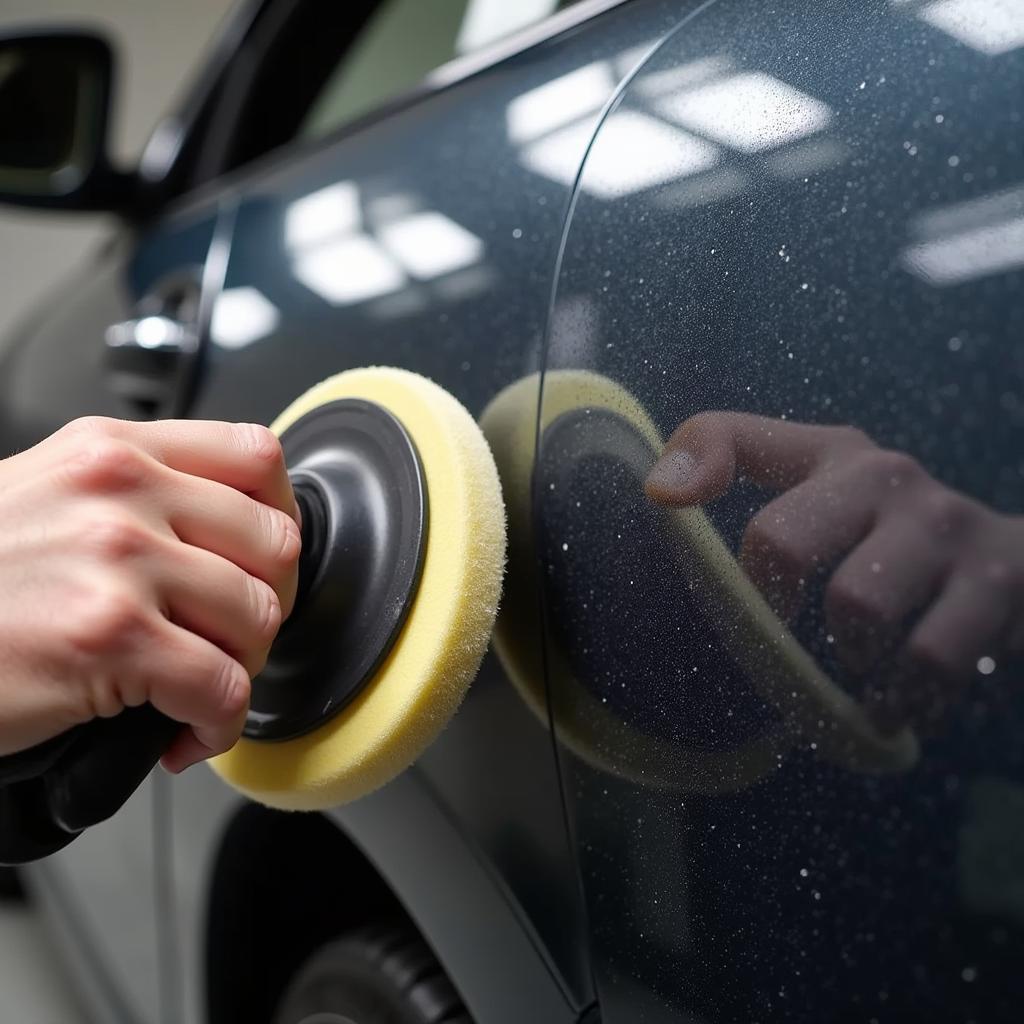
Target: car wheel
[378,975]
[10,885]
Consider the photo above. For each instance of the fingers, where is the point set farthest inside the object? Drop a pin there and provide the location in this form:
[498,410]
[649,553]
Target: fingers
[704,454]
[157,470]
[216,600]
[943,654]
[244,456]
[193,681]
[802,532]
[259,539]
[871,597]
[186,750]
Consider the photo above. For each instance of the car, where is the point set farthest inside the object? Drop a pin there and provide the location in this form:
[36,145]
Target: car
[747,278]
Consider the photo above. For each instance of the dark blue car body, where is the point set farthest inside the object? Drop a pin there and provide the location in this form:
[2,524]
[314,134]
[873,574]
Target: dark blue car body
[807,211]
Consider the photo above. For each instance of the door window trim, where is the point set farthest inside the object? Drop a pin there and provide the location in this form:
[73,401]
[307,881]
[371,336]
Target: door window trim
[446,75]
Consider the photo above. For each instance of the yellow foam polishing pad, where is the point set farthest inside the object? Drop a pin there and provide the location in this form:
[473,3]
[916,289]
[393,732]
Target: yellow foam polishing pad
[419,685]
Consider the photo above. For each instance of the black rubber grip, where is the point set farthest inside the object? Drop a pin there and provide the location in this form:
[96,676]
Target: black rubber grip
[51,792]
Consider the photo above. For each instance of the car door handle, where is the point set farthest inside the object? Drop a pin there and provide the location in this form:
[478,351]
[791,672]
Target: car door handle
[145,355]
[155,336]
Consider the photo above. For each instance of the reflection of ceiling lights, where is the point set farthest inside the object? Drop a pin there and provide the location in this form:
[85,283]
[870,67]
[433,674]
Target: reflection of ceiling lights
[969,240]
[989,26]
[628,60]
[348,270]
[242,316]
[430,244]
[683,76]
[632,152]
[558,103]
[487,21]
[336,258]
[321,215]
[558,155]
[750,112]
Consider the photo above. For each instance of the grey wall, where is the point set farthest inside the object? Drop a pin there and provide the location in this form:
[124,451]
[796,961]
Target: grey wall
[159,43]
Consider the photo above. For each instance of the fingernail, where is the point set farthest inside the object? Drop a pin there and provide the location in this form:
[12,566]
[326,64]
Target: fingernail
[672,470]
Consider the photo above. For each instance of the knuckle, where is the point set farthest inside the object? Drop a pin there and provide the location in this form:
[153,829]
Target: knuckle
[232,688]
[280,534]
[105,464]
[266,610]
[114,536]
[106,622]
[885,467]
[89,427]
[262,444]
[289,540]
[943,513]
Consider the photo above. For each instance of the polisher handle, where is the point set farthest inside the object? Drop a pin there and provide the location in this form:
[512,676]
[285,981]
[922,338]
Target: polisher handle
[50,793]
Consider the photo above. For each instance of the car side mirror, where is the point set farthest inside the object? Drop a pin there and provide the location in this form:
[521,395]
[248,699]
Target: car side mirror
[55,90]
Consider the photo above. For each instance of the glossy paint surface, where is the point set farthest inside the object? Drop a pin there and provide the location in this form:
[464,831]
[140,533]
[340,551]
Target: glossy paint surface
[809,215]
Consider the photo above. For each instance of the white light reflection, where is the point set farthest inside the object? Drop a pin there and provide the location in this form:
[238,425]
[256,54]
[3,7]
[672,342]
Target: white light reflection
[685,76]
[430,244]
[487,21]
[970,240]
[331,211]
[344,261]
[348,270]
[153,332]
[558,155]
[750,112]
[559,102]
[632,152]
[988,26]
[627,60]
[242,316]
[635,152]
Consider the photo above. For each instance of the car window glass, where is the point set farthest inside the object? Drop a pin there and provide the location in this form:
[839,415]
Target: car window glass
[402,42]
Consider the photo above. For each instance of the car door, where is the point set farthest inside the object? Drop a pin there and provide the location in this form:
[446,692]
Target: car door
[422,236]
[88,353]
[795,780]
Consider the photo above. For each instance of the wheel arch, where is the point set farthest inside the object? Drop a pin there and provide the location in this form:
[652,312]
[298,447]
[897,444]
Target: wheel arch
[284,884]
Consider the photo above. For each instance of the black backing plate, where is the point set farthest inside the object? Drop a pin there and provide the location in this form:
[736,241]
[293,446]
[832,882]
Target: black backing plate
[360,485]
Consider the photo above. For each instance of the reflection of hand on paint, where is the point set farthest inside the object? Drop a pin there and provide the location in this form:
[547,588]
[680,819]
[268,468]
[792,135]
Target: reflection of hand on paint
[926,585]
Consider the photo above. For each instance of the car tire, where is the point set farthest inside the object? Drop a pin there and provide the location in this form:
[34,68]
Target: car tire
[377,975]
[11,889]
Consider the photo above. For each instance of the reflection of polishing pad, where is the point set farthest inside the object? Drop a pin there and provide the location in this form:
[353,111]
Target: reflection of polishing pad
[812,709]
[418,686]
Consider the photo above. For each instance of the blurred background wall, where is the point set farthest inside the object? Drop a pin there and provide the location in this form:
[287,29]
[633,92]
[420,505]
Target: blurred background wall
[159,44]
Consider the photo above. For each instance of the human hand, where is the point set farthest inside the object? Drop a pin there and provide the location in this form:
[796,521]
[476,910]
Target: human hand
[142,562]
[925,585]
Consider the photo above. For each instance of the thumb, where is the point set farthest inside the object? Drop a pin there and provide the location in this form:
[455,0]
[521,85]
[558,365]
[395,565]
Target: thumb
[704,454]
[697,465]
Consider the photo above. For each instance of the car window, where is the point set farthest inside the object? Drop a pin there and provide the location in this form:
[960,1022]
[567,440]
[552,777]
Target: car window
[303,71]
[403,41]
